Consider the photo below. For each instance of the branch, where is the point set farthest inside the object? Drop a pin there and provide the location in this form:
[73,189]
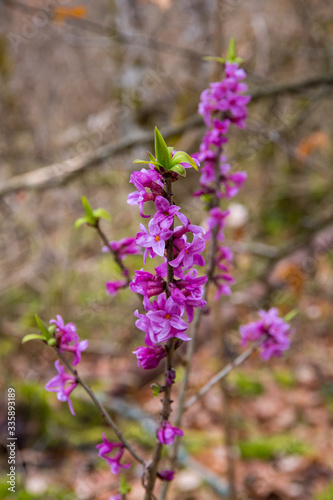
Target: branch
[103,411]
[124,270]
[60,173]
[224,372]
[111,31]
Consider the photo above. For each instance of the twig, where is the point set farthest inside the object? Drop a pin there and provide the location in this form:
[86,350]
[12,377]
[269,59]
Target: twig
[103,411]
[124,270]
[60,173]
[224,372]
[112,31]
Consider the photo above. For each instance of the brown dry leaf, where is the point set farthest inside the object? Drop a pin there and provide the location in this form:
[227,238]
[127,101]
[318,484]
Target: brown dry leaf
[63,13]
[291,274]
[316,140]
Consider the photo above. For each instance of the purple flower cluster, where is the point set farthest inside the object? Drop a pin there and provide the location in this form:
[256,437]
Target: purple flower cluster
[221,105]
[67,339]
[276,329]
[106,448]
[164,315]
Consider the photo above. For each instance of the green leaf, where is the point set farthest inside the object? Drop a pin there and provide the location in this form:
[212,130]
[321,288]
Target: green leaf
[79,222]
[182,157]
[288,317]
[179,169]
[52,342]
[156,389]
[124,486]
[155,163]
[42,327]
[101,213]
[231,55]
[161,150]
[32,336]
[212,58]
[51,329]
[87,207]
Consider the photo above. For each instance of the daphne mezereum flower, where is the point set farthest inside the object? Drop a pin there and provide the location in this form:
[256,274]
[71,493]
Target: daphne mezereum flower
[58,384]
[67,339]
[145,179]
[277,330]
[167,433]
[164,215]
[189,253]
[149,357]
[112,287]
[154,240]
[123,247]
[114,462]
[166,475]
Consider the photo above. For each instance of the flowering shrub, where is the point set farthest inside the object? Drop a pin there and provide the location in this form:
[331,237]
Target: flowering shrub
[175,294]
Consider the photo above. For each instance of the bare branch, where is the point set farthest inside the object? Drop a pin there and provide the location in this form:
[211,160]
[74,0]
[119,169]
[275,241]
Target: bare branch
[63,172]
[224,372]
[103,411]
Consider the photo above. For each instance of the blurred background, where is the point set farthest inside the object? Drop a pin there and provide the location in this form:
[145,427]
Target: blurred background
[81,88]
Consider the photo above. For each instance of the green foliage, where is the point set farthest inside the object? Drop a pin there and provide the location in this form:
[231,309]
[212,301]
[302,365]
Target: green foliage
[284,377]
[124,486]
[53,493]
[91,216]
[46,333]
[266,448]
[245,385]
[231,55]
[163,157]
[156,388]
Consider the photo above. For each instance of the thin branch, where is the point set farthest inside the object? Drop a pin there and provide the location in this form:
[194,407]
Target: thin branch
[111,31]
[224,372]
[60,173]
[124,270]
[103,411]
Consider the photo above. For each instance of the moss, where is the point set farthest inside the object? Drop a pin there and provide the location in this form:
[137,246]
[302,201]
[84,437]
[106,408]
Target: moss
[266,448]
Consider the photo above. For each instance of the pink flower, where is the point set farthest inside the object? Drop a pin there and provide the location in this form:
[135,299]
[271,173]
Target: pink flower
[276,328]
[112,287]
[107,447]
[167,434]
[189,253]
[154,240]
[166,475]
[123,247]
[58,384]
[165,213]
[65,335]
[149,357]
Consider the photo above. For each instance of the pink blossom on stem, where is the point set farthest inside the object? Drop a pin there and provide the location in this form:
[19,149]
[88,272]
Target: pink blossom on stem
[58,384]
[112,287]
[65,335]
[167,433]
[277,330]
[107,447]
[149,357]
[123,247]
